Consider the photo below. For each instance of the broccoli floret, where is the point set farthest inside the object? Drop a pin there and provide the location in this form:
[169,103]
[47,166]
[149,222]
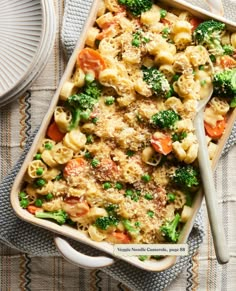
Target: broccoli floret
[139,39]
[76,112]
[189,198]
[82,101]
[186,177]
[81,104]
[136,41]
[169,229]
[93,90]
[179,136]
[60,216]
[106,221]
[228,49]
[208,33]
[156,81]
[224,83]
[165,119]
[142,258]
[233,103]
[136,7]
[130,228]
[111,209]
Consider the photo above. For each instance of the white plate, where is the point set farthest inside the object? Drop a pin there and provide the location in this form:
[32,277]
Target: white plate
[46,46]
[21,28]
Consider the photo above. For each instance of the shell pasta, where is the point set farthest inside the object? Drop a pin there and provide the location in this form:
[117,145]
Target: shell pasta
[119,158]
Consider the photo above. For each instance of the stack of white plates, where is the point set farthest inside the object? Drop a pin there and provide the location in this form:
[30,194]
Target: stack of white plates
[27,34]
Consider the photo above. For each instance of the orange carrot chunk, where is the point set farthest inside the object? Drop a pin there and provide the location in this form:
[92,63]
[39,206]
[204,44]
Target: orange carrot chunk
[121,237]
[90,60]
[32,209]
[75,206]
[195,21]
[162,144]
[227,62]
[54,133]
[216,131]
[74,167]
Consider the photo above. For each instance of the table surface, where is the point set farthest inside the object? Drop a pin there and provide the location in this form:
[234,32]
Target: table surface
[22,272]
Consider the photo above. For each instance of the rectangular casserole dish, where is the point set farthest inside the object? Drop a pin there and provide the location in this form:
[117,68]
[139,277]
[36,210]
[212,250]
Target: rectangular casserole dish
[69,232]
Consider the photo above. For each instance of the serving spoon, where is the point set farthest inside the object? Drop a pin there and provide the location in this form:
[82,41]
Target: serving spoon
[217,228]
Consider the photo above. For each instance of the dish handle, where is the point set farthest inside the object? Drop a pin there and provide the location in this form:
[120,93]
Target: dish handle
[78,259]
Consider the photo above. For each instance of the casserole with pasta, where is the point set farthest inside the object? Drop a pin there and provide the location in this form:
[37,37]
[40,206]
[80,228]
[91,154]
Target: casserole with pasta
[118,161]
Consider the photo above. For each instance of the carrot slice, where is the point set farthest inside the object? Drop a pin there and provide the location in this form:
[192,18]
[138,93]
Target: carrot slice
[106,32]
[227,62]
[90,60]
[195,21]
[72,200]
[162,144]
[121,237]
[74,167]
[32,209]
[107,169]
[165,21]
[75,207]
[217,131]
[54,133]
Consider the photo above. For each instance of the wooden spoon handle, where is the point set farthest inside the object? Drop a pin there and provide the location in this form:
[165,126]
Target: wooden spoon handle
[216,6]
[215,220]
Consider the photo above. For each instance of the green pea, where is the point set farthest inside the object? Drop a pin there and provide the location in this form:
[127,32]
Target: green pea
[148,196]
[129,192]
[58,177]
[107,185]
[175,77]
[136,42]
[95,163]
[49,196]
[40,183]
[22,195]
[213,58]
[95,120]
[163,13]
[89,78]
[90,139]
[87,155]
[130,153]
[146,178]
[171,197]
[24,203]
[85,115]
[37,157]
[109,100]
[150,213]
[48,146]
[39,171]
[38,202]
[118,186]
[165,32]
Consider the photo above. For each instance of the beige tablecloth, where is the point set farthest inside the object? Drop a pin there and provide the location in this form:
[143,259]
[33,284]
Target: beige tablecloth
[22,272]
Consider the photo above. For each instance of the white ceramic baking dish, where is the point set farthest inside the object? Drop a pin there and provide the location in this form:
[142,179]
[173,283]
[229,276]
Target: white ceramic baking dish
[65,249]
